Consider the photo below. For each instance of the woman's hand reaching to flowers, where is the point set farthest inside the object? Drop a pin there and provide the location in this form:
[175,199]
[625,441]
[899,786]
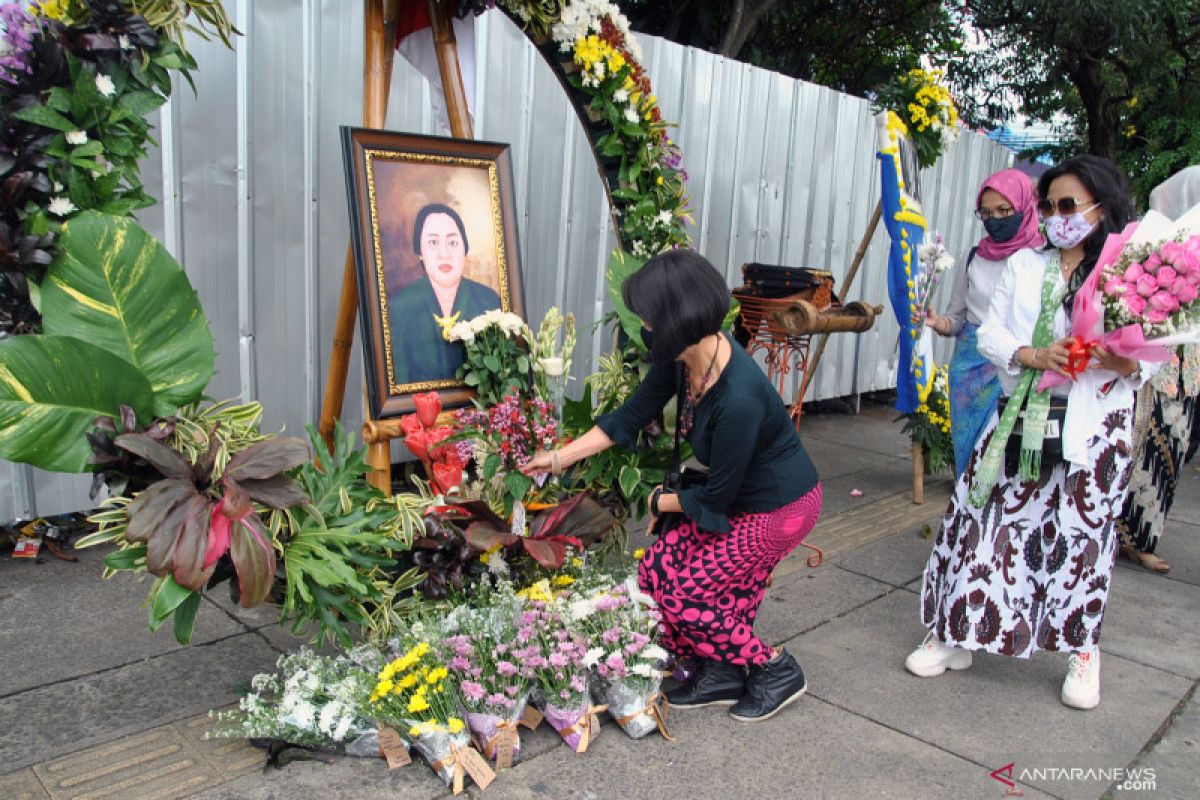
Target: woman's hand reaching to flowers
[1106,359]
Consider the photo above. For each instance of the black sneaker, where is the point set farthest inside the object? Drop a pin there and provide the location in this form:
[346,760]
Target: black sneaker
[769,688]
[716,684]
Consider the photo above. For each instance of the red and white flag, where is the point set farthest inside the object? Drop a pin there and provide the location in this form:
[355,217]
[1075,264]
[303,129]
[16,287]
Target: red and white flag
[414,40]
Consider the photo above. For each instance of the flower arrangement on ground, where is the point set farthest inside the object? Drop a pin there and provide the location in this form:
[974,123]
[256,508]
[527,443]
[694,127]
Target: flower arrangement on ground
[923,110]
[929,425]
[312,701]
[561,673]
[492,659]
[412,695]
[621,624]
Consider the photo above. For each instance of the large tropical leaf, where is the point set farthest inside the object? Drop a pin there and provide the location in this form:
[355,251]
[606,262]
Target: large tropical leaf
[52,388]
[620,266]
[254,558]
[267,459]
[115,286]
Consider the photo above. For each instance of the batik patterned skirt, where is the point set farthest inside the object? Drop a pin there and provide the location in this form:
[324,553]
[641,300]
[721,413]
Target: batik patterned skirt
[1031,569]
[1170,443]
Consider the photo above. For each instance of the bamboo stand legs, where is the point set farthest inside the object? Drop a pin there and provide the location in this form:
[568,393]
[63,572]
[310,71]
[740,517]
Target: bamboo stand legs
[811,368]
[379,37]
[918,474]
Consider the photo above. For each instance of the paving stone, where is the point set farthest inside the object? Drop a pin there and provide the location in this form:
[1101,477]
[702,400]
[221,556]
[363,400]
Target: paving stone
[257,617]
[896,560]
[159,763]
[872,430]
[1144,612]
[834,460]
[22,785]
[999,711]
[1179,547]
[1175,757]
[64,717]
[811,749]
[805,599]
[229,757]
[60,620]
[1188,487]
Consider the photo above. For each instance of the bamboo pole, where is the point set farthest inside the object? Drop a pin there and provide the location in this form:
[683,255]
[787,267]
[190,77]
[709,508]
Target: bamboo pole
[859,254]
[452,84]
[379,30]
[918,474]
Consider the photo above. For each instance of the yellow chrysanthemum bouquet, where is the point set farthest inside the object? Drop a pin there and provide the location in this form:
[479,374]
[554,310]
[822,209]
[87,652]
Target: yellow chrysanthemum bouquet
[929,425]
[411,695]
[923,110]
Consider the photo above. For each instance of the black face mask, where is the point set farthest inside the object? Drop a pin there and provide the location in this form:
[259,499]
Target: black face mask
[1004,229]
[647,337]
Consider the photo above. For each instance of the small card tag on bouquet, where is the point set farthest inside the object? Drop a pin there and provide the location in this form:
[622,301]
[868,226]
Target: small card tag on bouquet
[391,747]
[531,717]
[506,745]
[593,726]
[476,767]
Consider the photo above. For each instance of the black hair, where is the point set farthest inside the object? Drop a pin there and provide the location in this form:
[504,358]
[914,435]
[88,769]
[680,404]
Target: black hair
[681,296]
[1110,188]
[437,208]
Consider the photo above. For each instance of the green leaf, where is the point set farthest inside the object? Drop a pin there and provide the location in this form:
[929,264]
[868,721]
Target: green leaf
[115,286]
[128,559]
[169,60]
[46,117]
[91,148]
[168,597]
[140,103]
[185,618]
[517,484]
[629,479]
[52,388]
[491,465]
[620,266]
[491,362]
[59,99]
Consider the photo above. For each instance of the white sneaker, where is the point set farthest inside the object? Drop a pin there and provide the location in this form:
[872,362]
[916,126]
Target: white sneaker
[1081,688]
[933,658]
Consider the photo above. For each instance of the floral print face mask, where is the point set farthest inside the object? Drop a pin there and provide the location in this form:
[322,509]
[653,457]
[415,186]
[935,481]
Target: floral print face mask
[1066,232]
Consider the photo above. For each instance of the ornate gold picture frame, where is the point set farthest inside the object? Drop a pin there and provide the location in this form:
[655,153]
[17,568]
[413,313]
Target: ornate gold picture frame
[433,225]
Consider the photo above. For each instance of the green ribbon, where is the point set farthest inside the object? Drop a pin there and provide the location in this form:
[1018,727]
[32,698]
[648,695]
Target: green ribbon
[1037,409]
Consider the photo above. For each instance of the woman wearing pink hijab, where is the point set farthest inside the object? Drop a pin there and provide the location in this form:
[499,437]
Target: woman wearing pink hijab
[1007,206]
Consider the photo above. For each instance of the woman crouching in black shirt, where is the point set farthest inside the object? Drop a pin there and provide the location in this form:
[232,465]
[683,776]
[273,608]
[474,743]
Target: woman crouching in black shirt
[761,498]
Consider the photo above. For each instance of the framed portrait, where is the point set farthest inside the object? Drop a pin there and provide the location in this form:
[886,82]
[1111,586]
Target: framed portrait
[434,229]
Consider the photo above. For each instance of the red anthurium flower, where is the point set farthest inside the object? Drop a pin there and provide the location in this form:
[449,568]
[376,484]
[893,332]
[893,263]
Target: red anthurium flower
[429,405]
[447,476]
[411,424]
[418,442]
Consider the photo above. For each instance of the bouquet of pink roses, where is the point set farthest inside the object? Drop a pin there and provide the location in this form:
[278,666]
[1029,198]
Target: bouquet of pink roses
[1155,287]
[1139,302]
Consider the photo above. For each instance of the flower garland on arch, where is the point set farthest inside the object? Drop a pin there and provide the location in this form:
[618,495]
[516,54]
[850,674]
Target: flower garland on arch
[648,195]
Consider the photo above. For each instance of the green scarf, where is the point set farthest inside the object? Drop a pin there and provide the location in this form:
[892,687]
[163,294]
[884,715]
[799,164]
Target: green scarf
[1036,410]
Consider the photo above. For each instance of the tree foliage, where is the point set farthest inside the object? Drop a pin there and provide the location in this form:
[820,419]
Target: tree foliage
[1117,78]
[851,45]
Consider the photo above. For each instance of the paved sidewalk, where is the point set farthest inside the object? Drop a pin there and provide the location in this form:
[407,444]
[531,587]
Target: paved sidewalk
[93,705]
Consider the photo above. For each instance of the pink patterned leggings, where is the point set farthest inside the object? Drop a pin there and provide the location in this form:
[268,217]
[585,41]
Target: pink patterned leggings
[709,585]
